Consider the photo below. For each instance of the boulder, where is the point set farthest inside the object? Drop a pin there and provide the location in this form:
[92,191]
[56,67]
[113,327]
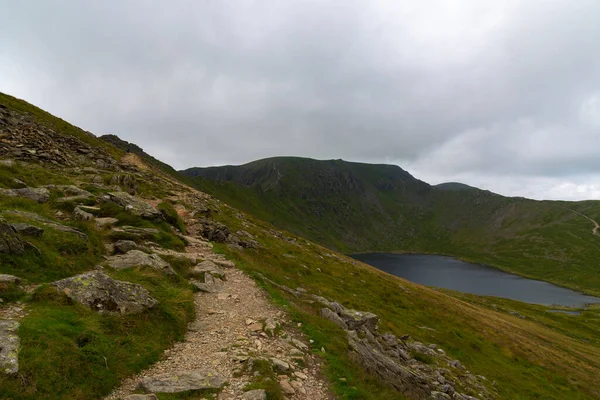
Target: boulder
[102,293]
[137,258]
[106,221]
[41,195]
[80,215]
[209,267]
[258,394]
[214,231]
[142,233]
[183,381]
[135,205]
[408,382]
[27,229]
[280,365]
[150,396]
[123,246]
[9,240]
[334,317]
[90,209]
[5,278]
[47,222]
[9,347]
[355,319]
[210,284]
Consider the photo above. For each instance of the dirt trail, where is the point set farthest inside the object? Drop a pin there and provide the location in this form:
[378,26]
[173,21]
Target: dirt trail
[228,332]
[596,225]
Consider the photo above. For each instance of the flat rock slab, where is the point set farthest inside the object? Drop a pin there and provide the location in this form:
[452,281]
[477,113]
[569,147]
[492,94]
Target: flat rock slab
[258,394]
[41,195]
[102,293]
[210,284]
[143,233]
[27,229]
[182,382]
[151,396]
[209,267]
[5,278]
[135,205]
[106,221]
[136,258]
[9,346]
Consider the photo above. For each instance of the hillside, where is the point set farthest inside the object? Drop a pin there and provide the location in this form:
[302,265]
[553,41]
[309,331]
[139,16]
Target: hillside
[145,157]
[354,207]
[118,279]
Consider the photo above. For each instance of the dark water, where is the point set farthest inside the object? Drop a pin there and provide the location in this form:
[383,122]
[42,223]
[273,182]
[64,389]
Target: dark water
[449,273]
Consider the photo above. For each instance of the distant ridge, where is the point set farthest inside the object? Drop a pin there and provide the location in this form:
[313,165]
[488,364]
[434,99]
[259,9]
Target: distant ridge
[454,186]
[358,207]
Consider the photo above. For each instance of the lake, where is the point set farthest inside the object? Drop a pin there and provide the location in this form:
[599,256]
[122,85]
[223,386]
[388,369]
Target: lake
[450,273]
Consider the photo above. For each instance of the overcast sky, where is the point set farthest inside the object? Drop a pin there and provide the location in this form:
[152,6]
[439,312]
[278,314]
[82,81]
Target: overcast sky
[503,95]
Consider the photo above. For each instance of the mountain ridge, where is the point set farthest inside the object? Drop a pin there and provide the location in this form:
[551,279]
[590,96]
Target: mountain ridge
[144,229]
[358,207]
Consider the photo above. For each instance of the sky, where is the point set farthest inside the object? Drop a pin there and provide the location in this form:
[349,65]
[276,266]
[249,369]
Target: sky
[502,95]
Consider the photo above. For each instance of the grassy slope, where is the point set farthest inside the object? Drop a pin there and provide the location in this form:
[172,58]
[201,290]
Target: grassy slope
[67,350]
[354,207]
[59,125]
[545,356]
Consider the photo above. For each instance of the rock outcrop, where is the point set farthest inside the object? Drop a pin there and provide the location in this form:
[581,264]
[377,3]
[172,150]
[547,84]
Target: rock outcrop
[135,205]
[47,222]
[27,229]
[137,258]
[10,242]
[183,381]
[210,284]
[5,278]
[9,346]
[208,267]
[41,195]
[392,361]
[27,140]
[102,293]
[218,232]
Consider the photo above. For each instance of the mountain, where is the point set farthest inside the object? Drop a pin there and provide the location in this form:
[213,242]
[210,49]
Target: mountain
[355,207]
[116,275]
[454,186]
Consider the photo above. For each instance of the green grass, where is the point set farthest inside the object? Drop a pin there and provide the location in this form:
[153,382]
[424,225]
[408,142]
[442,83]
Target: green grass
[165,237]
[54,255]
[528,359]
[71,352]
[171,216]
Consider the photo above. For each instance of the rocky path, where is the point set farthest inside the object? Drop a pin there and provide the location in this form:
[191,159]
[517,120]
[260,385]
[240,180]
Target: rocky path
[596,225]
[236,329]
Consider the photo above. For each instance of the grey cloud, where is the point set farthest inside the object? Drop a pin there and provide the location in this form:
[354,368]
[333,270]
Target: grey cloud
[504,92]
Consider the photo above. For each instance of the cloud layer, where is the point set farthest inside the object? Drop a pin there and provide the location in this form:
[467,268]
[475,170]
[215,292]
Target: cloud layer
[503,95]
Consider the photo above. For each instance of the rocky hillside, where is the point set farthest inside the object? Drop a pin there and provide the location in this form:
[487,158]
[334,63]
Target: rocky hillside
[118,281]
[354,207]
